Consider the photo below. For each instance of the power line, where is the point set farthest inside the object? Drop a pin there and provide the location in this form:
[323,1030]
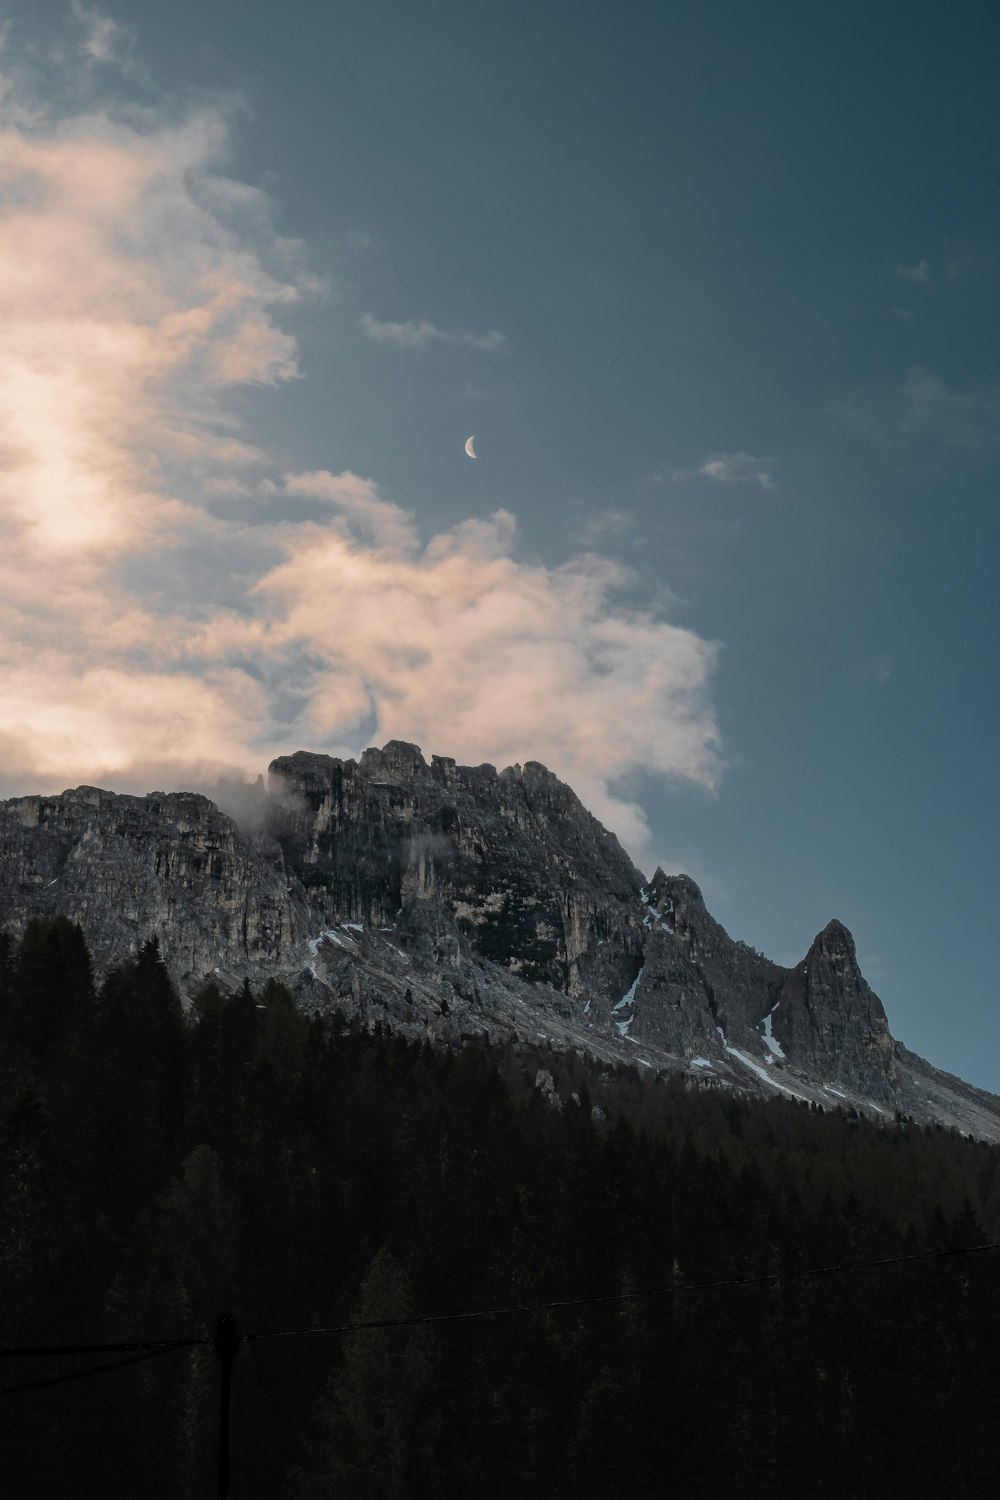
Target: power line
[58,1349]
[521,1309]
[114,1364]
[149,1349]
[226,1339]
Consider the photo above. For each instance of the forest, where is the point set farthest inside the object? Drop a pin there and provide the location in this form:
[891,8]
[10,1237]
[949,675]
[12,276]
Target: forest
[751,1297]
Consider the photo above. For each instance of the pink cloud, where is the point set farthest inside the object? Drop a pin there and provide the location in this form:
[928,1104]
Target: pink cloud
[137,285]
[476,654]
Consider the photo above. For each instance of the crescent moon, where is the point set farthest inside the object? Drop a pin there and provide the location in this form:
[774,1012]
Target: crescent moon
[469,448]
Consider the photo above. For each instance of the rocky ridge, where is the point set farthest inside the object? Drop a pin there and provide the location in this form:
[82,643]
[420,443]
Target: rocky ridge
[453,901]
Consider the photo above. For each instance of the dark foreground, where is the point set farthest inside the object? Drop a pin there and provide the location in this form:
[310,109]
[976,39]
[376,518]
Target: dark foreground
[156,1171]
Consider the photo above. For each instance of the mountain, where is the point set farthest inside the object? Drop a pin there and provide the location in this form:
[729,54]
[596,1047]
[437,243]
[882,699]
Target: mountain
[453,901]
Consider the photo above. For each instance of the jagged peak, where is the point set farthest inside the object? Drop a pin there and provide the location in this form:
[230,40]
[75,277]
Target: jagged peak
[835,938]
[304,759]
[403,759]
[680,887]
[537,769]
[534,771]
[395,755]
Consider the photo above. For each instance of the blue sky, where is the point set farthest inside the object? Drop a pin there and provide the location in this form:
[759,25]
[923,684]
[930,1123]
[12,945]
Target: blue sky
[714,285]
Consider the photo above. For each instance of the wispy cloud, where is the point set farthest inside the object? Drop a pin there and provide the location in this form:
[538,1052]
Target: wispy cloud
[919,273]
[610,522]
[418,334]
[171,607]
[729,468]
[492,340]
[104,39]
[923,413]
[411,335]
[965,262]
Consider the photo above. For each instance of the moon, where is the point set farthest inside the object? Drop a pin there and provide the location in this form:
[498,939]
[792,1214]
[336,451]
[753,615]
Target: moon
[469,448]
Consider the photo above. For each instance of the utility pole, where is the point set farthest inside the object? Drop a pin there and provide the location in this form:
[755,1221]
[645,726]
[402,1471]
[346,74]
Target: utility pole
[225,1348]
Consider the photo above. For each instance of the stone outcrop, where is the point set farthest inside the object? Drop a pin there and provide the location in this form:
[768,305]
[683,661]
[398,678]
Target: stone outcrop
[713,988]
[171,863]
[831,1025]
[453,901]
[514,862]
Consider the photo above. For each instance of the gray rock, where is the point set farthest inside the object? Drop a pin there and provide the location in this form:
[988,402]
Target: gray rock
[831,1025]
[450,902]
[546,1086]
[168,863]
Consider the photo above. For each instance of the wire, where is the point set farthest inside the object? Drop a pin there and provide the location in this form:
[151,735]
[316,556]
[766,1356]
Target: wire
[655,1291]
[151,1349]
[54,1349]
[114,1364]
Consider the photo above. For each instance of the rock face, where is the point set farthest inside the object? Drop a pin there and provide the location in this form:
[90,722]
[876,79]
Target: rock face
[125,867]
[452,901]
[830,1023]
[513,864]
[697,978]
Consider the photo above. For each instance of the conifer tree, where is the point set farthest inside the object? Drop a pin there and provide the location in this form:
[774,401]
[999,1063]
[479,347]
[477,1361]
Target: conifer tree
[380,1426]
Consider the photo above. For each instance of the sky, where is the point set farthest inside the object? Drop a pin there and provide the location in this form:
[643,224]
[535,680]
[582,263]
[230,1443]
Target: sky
[714,286]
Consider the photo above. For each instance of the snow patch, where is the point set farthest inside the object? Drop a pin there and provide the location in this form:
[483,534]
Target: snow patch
[769,1039]
[763,1073]
[700,1062]
[629,996]
[313,943]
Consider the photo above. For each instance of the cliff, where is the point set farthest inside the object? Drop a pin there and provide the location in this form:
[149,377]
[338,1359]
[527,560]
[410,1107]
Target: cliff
[451,901]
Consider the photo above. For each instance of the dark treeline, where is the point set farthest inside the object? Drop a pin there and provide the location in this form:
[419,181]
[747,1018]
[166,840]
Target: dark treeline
[157,1168]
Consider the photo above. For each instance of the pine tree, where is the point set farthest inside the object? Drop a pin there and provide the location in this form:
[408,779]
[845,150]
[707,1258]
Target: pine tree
[51,993]
[379,1427]
[27,1225]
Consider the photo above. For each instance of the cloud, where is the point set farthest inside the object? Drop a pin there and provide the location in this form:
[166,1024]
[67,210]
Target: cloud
[965,262]
[731,468]
[357,502]
[130,297]
[458,644]
[919,273]
[491,341]
[417,335]
[924,413]
[105,40]
[610,522]
[410,335]
[172,608]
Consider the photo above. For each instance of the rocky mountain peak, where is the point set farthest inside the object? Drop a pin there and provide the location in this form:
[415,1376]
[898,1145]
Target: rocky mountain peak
[835,939]
[397,760]
[679,898]
[452,901]
[831,1021]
